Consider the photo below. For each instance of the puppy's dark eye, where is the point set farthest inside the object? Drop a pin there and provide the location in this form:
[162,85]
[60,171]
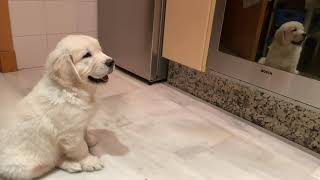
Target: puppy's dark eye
[87,55]
[294,30]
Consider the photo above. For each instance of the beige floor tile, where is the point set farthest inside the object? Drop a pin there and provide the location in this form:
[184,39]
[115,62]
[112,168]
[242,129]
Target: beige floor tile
[23,81]
[160,133]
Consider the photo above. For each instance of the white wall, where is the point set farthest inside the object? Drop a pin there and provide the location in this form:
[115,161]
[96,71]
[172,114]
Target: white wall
[37,25]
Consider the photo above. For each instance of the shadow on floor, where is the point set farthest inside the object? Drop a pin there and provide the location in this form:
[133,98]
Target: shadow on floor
[108,143]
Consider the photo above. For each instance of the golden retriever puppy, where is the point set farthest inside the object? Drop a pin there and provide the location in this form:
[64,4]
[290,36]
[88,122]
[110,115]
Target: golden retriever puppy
[52,120]
[284,52]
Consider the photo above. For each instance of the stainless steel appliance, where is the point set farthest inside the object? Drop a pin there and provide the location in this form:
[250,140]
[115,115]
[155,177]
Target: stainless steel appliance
[131,32]
[294,86]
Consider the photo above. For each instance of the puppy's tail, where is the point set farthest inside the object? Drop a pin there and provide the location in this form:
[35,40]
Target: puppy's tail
[262,60]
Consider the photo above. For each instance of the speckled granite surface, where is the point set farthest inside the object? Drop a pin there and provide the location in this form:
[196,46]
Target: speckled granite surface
[282,116]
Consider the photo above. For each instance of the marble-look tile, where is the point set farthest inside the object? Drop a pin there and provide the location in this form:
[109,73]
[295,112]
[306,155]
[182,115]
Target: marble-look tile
[136,106]
[24,80]
[176,96]
[9,96]
[156,133]
[256,135]
[238,159]
[287,118]
[204,141]
[118,84]
[1,77]
[9,93]
[162,130]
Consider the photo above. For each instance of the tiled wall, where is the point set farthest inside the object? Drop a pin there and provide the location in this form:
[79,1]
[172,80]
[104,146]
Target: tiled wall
[37,25]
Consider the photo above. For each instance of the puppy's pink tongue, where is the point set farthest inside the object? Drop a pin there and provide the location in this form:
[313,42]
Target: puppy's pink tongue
[105,78]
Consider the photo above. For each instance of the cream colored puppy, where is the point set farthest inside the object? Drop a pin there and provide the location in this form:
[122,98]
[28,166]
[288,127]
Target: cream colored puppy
[52,120]
[284,52]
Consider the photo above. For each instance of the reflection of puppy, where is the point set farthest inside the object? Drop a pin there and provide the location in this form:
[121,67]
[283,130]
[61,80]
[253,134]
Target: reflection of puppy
[53,118]
[284,52]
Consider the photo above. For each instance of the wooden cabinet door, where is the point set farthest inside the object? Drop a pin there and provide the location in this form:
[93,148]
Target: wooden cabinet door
[7,54]
[187,31]
[242,27]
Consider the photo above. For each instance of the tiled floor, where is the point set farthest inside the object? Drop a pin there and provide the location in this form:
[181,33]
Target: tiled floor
[158,133]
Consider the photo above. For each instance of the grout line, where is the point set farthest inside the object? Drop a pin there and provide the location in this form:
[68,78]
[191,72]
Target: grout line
[54,34]
[32,68]
[50,0]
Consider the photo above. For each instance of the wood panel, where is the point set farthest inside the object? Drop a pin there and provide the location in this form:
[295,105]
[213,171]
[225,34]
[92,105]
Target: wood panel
[242,28]
[7,54]
[187,32]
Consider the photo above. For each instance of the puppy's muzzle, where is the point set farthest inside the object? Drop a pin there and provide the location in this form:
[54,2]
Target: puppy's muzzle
[304,35]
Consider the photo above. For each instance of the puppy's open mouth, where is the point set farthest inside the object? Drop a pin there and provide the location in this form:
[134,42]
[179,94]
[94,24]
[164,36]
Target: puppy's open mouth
[297,43]
[99,80]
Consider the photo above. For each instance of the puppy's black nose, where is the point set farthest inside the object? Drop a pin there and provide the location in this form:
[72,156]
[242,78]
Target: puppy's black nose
[304,34]
[109,62]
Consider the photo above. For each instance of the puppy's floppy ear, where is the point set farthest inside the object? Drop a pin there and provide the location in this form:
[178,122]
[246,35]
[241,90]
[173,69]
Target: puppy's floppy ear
[61,68]
[280,36]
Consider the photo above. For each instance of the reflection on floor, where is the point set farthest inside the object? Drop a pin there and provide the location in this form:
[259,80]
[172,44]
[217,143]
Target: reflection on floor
[159,133]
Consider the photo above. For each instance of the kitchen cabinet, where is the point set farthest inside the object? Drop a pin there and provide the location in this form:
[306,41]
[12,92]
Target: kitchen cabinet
[187,32]
[7,53]
[250,22]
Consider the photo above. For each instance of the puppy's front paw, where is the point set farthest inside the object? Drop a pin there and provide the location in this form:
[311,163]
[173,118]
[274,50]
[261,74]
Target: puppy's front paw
[71,166]
[91,163]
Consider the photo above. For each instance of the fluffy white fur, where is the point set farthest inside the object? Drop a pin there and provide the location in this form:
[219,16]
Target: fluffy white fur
[50,128]
[284,52]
